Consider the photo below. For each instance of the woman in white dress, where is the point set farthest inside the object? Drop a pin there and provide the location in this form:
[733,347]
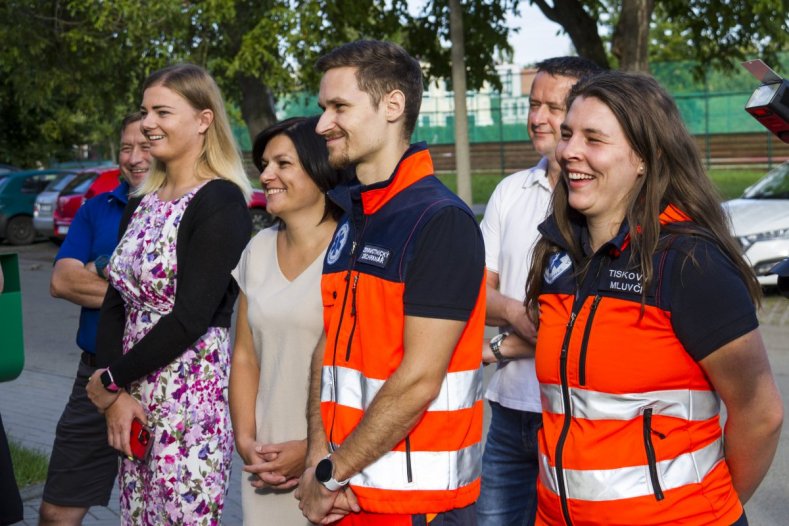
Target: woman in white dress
[280,318]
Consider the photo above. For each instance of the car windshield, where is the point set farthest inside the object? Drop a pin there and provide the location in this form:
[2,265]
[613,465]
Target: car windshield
[80,184]
[3,181]
[60,183]
[774,185]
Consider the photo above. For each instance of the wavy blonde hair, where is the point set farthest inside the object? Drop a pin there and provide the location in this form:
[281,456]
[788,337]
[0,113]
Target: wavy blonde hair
[219,155]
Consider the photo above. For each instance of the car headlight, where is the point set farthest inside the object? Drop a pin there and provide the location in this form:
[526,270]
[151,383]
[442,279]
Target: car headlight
[747,241]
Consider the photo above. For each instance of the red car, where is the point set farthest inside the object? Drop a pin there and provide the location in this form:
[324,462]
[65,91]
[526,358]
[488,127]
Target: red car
[257,209]
[86,185]
[89,184]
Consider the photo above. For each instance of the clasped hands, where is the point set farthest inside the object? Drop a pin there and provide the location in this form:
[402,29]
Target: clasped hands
[320,505]
[277,466]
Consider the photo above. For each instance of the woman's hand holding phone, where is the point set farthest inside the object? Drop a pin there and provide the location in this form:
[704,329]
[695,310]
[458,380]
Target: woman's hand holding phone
[120,416]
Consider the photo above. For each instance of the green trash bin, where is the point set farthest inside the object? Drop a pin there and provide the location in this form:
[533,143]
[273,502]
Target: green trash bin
[12,345]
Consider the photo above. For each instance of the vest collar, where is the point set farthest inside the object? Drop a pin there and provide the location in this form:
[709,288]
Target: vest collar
[670,214]
[415,164]
[618,244]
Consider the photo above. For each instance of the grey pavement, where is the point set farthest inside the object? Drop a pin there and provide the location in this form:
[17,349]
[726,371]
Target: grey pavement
[31,404]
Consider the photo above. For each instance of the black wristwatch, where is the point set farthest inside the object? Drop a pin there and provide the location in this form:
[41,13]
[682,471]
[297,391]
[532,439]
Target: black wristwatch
[495,346]
[324,472]
[109,382]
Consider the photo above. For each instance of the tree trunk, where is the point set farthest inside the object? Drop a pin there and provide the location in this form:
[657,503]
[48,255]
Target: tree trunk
[579,25]
[462,149]
[257,105]
[630,42]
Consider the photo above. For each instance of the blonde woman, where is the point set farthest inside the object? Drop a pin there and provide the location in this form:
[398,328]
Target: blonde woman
[163,335]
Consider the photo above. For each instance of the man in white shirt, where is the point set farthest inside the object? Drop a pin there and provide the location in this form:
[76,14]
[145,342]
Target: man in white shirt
[518,205]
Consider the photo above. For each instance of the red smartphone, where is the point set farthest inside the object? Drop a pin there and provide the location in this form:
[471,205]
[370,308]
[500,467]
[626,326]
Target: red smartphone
[141,440]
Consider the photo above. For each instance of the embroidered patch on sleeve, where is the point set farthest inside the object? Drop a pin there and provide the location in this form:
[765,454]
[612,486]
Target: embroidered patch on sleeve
[557,266]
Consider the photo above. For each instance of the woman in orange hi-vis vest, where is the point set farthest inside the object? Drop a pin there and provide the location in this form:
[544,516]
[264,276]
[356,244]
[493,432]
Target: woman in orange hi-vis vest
[646,323]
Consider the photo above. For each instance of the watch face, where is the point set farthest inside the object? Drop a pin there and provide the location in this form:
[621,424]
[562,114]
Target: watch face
[323,470]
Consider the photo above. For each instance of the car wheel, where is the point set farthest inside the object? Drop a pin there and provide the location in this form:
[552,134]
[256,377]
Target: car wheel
[260,219]
[20,231]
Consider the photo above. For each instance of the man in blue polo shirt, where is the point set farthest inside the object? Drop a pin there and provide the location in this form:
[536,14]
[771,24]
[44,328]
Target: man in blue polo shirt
[83,466]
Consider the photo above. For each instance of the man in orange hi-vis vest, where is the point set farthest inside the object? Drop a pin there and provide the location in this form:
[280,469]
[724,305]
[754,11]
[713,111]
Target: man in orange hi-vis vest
[395,413]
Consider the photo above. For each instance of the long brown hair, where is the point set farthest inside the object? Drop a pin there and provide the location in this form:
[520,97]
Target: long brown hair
[673,173]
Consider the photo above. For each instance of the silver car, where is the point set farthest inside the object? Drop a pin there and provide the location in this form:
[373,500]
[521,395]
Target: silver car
[760,222]
[45,204]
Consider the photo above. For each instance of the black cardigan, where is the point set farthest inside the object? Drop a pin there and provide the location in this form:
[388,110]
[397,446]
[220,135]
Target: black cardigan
[213,232]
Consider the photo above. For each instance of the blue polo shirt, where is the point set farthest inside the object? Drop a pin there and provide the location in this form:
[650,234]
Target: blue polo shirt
[93,233]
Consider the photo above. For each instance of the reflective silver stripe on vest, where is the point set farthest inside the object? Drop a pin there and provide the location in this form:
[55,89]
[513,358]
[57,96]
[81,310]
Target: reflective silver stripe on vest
[430,470]
[459,390]
[633,481]
[687,404]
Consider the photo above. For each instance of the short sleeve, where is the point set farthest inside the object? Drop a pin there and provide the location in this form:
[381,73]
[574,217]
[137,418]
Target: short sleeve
[491,229]
[79,239]
[240,272]
[443,280]
[710,303]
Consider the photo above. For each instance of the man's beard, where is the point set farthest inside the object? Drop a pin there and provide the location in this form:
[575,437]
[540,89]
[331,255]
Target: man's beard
[341,159]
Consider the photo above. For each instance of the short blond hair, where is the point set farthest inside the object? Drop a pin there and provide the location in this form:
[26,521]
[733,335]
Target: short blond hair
[220,154]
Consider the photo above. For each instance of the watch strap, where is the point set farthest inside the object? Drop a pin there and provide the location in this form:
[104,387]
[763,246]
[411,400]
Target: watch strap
[101,263]
[331,483]
[334,485]
[108,381]
[495,346]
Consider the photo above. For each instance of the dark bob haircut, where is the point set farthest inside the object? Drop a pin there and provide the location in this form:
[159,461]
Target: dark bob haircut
[312,152]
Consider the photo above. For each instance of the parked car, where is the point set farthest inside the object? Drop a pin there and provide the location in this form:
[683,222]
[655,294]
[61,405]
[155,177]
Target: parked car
[760,222]
[18,191]
[86,185]
[46,201]
[257,209]
[5,168]
[83,165]
[89,184]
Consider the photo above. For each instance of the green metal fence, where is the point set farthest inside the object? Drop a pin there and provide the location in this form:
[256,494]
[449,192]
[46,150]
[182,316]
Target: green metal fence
[503,119]
[711,107]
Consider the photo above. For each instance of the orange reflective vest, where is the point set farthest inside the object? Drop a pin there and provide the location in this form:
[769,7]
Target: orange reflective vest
[437,466]
[631,432]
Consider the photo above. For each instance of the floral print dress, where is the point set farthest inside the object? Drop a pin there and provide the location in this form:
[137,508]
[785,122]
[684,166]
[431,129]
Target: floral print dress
[185,479]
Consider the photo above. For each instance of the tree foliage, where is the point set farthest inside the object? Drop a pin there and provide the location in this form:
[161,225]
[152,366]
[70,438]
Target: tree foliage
[712,33]
[76,66]
[484,31]
[722,33]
